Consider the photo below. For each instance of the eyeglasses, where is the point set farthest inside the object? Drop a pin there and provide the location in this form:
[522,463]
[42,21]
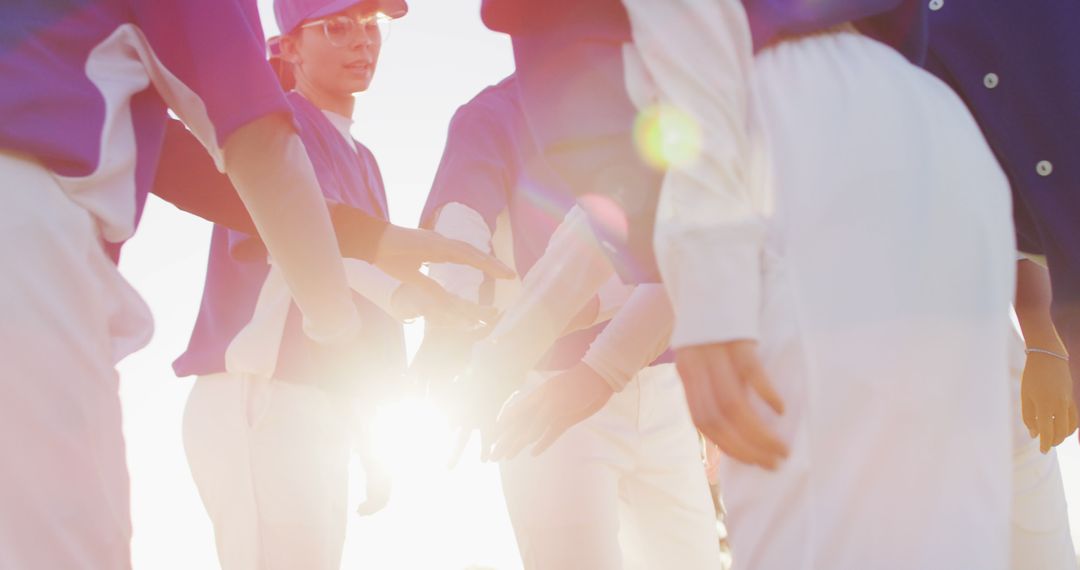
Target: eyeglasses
[344,30]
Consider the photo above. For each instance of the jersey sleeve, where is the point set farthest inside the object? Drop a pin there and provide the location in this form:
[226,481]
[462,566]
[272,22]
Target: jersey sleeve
[460,222]
[207,59]
[710,222]
[474,170]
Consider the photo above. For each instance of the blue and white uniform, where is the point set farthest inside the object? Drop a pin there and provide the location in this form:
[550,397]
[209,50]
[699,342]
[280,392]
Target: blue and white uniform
[845,213]
[267,433]
[86,88]
[237,266]
[570,63]
[1016,67]
[625,488]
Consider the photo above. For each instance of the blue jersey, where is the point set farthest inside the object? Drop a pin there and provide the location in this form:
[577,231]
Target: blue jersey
[900,23]
[347,174]
[1017,66]
[491,165]
[87,84]
[569,63]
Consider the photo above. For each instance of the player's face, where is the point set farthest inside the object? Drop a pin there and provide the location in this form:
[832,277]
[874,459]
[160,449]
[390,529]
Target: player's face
[339,56]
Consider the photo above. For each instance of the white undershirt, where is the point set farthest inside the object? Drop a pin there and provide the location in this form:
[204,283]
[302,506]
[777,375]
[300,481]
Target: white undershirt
[342,123]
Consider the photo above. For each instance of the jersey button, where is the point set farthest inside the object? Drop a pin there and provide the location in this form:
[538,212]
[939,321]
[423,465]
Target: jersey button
[936,5]
[990,80]
[1044,168]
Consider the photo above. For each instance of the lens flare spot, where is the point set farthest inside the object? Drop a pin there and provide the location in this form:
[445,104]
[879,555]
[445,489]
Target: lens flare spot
[667,136]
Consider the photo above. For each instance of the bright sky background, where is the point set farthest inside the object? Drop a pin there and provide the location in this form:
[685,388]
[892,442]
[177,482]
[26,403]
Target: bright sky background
[438,57]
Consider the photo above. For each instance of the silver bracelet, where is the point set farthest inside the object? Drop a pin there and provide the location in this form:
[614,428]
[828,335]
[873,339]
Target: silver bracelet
[1047,352]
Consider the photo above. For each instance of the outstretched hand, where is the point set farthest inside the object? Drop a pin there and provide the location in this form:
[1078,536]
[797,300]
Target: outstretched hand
[542,417]
[401,253]
[477,398]
[406,249]
[424,297]
[721,381]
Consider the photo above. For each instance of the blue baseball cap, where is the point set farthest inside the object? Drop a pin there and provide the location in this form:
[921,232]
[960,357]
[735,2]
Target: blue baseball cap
[292,13]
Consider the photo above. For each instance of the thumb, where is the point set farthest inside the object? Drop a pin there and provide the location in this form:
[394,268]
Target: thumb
[764,388]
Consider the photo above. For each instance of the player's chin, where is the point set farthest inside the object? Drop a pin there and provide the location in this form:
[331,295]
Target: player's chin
[358,83]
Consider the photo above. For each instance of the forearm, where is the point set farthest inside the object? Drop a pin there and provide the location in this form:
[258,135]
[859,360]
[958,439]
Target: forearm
[555,290]
[1033,301]
[188,179]
[372,283]
[639,333]
[357,232]
[269,167]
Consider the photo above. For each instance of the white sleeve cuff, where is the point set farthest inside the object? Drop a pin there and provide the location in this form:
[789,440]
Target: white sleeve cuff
[372,283]
[559,284]
[458,221]
[714,281]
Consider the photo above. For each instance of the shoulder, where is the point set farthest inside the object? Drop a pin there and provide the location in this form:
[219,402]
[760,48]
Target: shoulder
[495,108]
[364,152]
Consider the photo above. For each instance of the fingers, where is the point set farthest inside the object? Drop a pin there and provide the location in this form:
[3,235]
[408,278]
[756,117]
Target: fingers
[1054,425]
[1061,427]
[511,423]
[451,312]
[736,409]
[445,250]
[443,308]
[379,489]
[530,419]
[551,436]
[759,381]
[721,410]
[728,439]
[1064,423]
[1046,432]
[414,247]
[719,430]
[470,316]
[487,434]
[743,427]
